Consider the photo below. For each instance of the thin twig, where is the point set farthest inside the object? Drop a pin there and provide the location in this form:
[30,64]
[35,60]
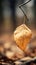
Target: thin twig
[24,3]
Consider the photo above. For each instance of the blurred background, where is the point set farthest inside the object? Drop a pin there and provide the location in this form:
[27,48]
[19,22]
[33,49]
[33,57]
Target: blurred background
[11,16]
